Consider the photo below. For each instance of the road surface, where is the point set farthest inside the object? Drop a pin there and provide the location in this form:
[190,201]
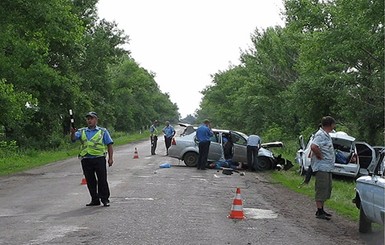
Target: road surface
[152,205]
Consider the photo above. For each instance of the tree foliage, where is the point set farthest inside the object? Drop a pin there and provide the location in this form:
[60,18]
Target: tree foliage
[327,60]
[58,55]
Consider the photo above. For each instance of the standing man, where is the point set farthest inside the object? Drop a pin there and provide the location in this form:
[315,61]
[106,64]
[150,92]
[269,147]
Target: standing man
[154,136]
[323,159]
[95,142]
[253,145]
[168,132]
[203,135]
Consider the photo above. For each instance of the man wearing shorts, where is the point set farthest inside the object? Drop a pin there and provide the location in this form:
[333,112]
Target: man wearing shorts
[323,158]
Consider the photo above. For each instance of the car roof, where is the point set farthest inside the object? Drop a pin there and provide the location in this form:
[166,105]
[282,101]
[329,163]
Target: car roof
[213,129]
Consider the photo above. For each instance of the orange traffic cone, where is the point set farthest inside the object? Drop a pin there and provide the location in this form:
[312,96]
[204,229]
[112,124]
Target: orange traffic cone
[237,207]
[84,181]
[136,155]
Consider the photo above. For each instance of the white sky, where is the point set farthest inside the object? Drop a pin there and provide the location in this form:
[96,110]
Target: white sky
[185,41]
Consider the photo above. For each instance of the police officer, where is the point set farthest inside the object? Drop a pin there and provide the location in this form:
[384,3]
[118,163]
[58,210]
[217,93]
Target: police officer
[203,135]
[154,136]
[169,133]
[95,142]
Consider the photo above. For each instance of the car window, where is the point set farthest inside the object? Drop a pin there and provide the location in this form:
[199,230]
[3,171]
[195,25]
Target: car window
[214,138]
[379,170]
[238,139]
[188,130]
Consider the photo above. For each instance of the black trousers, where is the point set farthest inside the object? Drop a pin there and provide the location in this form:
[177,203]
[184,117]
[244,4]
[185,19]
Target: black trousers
[252,157]
[95,171]
[154,142]
[203,154]
[167,142]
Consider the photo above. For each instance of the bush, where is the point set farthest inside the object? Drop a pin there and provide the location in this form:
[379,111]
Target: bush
[8,148]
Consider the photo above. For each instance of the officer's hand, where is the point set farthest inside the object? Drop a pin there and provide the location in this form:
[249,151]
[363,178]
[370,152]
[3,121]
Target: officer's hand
[110,162]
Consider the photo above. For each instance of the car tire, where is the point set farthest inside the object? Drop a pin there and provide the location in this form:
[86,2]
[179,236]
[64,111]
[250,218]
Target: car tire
[365,225]
[190,159]
[264,163]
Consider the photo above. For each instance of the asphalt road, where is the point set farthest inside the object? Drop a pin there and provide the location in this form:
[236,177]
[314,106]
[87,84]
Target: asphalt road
[149,205]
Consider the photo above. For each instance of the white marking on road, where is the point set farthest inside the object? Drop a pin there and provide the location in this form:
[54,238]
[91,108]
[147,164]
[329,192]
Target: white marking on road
[114,183]
[140,198]
[55,232]
[5,212]
[255,213]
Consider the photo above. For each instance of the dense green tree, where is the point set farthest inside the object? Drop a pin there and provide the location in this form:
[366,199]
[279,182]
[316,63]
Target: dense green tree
[38,43]
[341,62]
[58,55]
[271,62]
[327,60]
[137,97]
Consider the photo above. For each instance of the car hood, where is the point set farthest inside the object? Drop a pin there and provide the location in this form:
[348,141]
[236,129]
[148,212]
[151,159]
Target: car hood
[341,136]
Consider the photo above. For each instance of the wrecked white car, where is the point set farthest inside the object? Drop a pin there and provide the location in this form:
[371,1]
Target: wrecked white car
[352,158]
[185,148]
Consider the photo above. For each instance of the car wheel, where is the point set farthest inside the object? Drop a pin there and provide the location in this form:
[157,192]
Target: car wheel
[365,225]
[190,159]
[264,163]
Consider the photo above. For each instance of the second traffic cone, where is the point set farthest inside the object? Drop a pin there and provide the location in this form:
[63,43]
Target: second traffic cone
[237,207]
[84,181]
[136,155]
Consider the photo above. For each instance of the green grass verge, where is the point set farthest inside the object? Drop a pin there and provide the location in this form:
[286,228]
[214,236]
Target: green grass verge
[342,193]
[22,161]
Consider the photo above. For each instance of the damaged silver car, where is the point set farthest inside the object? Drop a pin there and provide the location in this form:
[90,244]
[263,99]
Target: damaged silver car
[225,144]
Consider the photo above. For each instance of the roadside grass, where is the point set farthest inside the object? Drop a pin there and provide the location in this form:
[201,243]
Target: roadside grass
[23,160]
[342,193]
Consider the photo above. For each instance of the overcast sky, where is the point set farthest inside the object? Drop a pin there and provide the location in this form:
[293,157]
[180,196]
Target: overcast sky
[185,41]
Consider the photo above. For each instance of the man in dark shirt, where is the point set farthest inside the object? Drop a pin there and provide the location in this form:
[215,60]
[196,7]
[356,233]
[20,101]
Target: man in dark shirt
[203,135]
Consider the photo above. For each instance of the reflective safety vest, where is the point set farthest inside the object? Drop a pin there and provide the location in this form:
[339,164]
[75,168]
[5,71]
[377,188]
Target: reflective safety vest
[153,131]
[94,146]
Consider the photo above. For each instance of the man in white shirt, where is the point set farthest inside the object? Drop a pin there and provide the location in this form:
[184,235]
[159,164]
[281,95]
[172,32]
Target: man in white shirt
[253,145]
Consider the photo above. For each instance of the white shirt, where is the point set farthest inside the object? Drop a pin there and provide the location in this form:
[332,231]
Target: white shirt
[253,140]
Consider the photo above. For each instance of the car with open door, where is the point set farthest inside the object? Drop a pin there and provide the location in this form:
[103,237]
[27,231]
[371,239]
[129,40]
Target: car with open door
[352,157]
[185,148]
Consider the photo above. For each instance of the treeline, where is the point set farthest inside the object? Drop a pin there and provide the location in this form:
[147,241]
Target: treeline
[327,60]
[58,55]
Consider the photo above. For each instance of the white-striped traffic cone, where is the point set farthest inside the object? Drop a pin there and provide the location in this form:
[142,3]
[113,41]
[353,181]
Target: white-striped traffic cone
[237,207]
[136,155]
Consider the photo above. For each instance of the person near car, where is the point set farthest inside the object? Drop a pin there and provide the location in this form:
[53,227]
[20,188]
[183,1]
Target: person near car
[95,143]
[169,133]
[154,136]
[227,148]
[253,146]
[203,135]
[323,158]
[309,171]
